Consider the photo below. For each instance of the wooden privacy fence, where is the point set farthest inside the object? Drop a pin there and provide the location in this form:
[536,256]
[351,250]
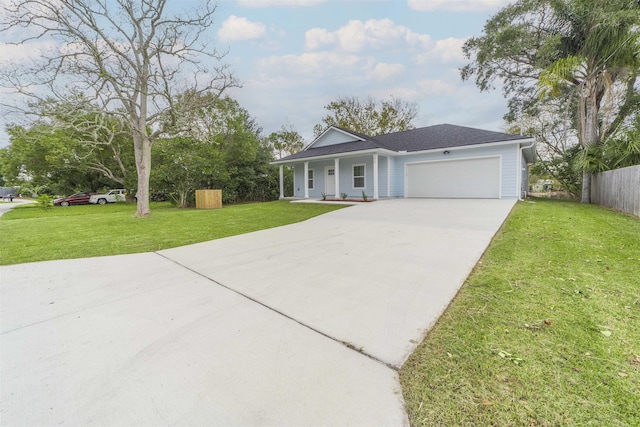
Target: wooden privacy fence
[208,199]
[618,189]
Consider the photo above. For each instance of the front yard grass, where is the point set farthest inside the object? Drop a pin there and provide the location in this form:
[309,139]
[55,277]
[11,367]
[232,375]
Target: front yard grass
[546,330]
[30,233]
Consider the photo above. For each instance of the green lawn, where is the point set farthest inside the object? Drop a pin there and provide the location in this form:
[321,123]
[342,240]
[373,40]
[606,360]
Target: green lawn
[545,332]
[30,233]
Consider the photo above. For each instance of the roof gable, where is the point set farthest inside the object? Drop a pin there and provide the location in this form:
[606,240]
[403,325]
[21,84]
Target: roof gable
[335,135]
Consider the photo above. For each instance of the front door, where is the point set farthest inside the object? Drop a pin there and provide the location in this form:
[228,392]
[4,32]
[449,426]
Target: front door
[329,180]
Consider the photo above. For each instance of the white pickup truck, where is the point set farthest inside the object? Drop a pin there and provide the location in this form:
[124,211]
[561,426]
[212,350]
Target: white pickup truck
[111,196]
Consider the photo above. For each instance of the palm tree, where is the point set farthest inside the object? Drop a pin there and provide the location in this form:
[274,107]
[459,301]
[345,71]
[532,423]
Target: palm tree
[599,40]
[589,48]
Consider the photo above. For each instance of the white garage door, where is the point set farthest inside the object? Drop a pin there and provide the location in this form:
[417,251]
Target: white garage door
[468,178]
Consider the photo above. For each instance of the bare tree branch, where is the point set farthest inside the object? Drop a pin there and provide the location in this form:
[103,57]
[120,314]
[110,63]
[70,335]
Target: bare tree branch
[130,58]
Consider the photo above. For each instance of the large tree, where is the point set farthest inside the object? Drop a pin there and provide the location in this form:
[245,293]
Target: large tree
[129,57]
[558,149]
[585,50]
[223,150]
[96,140]
[369,116]
[45,159]
[285,142]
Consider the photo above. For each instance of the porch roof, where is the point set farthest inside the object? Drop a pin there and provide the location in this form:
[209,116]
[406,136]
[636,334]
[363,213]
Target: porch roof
[345,147]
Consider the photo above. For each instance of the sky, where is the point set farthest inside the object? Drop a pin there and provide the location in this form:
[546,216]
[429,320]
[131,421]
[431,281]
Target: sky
[293,57]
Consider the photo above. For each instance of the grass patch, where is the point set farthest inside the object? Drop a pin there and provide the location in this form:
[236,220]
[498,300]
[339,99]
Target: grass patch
[33,234]
[546,330]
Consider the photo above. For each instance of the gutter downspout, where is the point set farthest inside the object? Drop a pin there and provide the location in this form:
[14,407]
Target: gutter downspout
[520,169]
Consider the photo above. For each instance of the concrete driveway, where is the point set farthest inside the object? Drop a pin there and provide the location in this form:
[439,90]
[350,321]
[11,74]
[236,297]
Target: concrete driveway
[299,325]
[5,205]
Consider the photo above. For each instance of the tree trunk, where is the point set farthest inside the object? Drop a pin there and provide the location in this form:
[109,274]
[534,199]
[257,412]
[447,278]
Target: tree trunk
[142,146]
[590,132]
[183,198]
[586,187]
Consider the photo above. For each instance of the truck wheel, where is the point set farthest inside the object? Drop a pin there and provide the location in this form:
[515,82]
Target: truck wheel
[102,201]
[65,203]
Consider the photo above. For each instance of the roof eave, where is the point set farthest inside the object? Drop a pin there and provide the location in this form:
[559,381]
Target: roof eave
[520,142]
[335,155]
[466,147]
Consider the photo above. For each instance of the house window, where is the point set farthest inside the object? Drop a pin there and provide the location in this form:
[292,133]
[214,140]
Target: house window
[310,179]
[358,176]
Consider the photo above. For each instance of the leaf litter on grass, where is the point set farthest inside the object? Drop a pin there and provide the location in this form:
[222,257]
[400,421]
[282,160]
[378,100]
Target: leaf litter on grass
[571,370]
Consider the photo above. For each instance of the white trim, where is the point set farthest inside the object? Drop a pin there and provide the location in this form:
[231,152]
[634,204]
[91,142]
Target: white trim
[454,159]
[465,147]
[364,177]
[336,165]
[305,178]
[375,176]
[326,175]
[499,156]
[345,155]
[520,156]
[519,173]
[327,130]
[281,182]
[313,180]
[388,176]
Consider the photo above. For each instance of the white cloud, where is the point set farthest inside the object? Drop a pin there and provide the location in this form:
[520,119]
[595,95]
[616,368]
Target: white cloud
[445,51]
[357,36]
[457,5]
[239,29]
[437,87]
[315,38]
[316,64]
[276,3]
[383,71]
[12,53]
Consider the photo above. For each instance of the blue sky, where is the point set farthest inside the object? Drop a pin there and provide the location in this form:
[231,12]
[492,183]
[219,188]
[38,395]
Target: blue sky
[295,56]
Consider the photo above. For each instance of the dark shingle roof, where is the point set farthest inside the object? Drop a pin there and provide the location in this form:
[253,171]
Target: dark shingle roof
[442,136]
[344,147]
[426,138]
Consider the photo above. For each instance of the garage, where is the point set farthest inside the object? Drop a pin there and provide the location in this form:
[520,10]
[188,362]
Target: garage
[477,178]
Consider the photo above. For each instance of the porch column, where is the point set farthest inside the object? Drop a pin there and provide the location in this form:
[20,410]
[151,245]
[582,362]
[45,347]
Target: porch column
[306,180]
[336,168]
[375,176]
[388,176]
[281,183]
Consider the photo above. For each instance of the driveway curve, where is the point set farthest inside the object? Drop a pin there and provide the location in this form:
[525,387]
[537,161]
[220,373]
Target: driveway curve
[304,324]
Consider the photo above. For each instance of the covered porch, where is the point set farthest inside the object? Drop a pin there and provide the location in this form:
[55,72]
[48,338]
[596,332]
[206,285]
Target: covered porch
[333,176]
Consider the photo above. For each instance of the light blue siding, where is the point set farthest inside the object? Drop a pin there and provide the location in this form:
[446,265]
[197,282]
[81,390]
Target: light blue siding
[345,176]
[382,177]
[391,184]
[332,137]
[509,163]
[298,180]
[319,186]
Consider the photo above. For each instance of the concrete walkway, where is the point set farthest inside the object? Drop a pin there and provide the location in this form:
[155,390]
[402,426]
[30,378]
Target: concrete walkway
[300,325]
